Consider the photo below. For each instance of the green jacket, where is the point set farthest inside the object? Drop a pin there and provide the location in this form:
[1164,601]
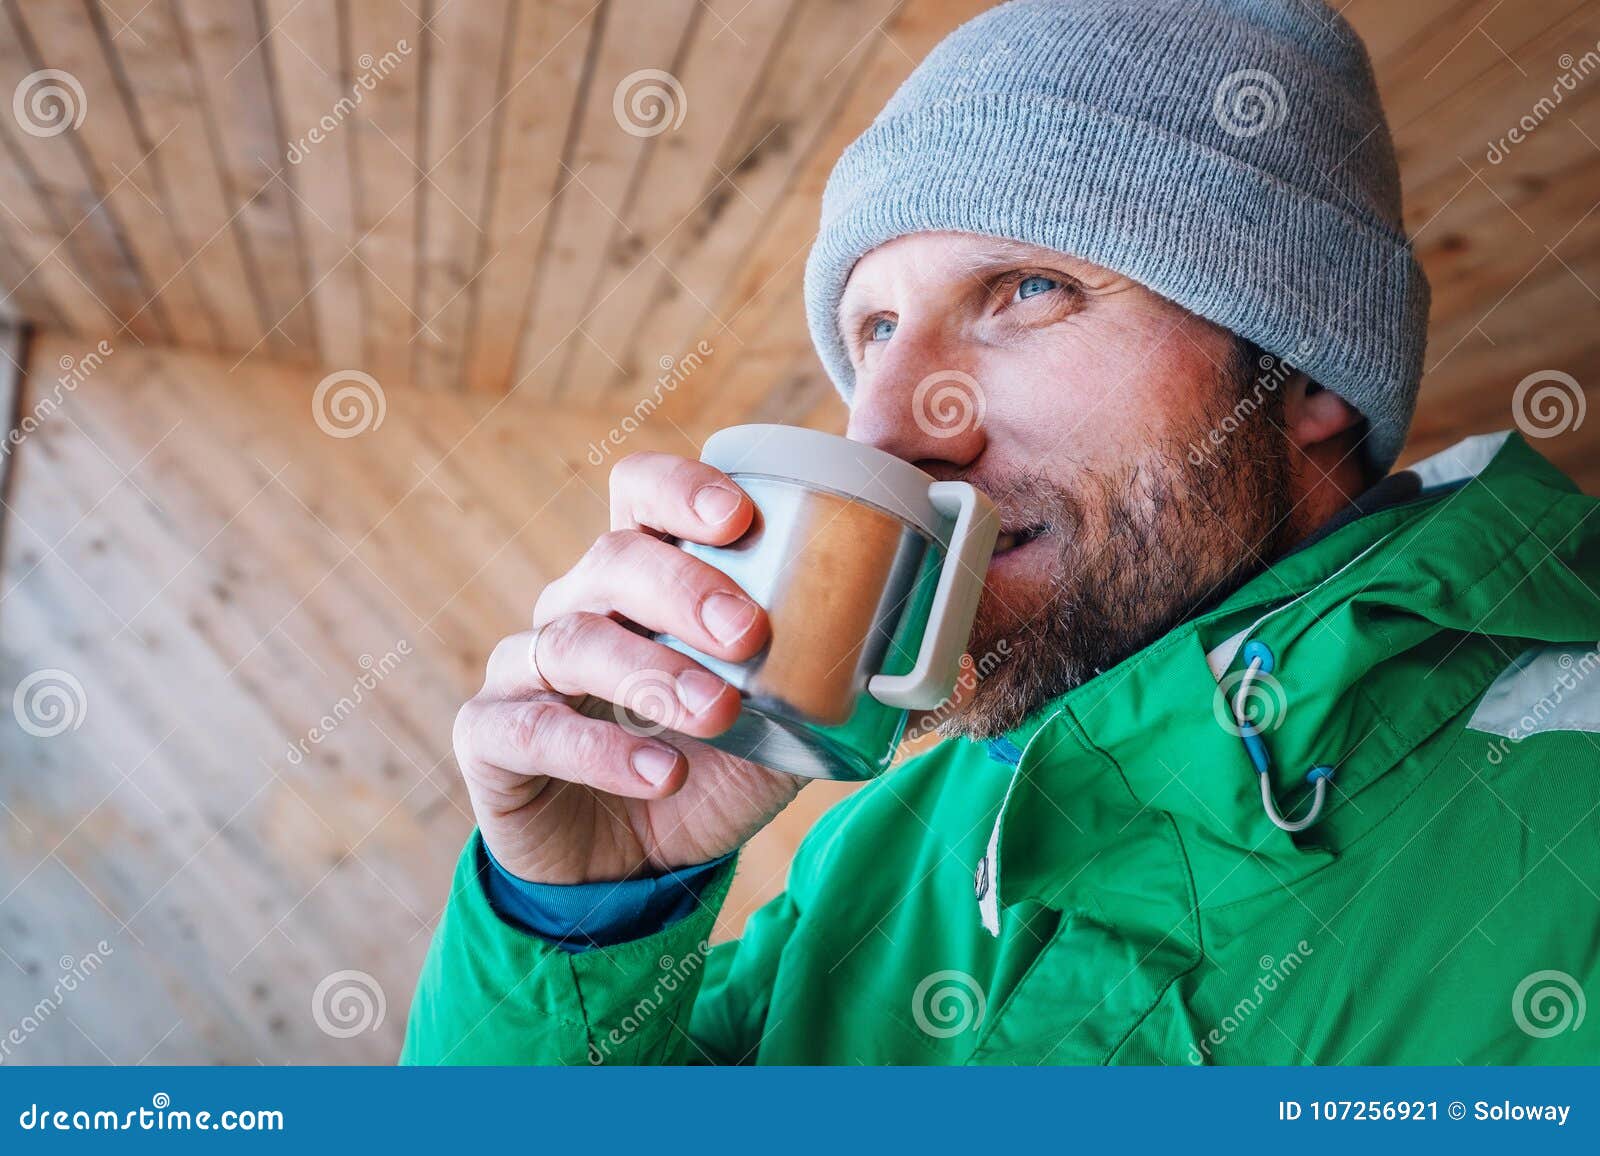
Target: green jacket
[1121,897]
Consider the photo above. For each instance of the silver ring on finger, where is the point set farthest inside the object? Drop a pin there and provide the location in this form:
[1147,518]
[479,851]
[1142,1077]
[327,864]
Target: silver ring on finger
[533,657]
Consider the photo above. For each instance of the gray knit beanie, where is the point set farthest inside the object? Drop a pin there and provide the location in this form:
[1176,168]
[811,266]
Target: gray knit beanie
[1231,155]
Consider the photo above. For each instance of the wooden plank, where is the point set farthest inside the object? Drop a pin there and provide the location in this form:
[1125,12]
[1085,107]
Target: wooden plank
[229,48]
[233,865]
[550,44]
[23,297]
[315,94]
[763,305]
[1441,89]
[40,264]
[638,38]
[466,69]
[212,474]
[51,160]
[1390,30]
[1428,61]
[13,363]
[381,513]
[155,57]
[818,55]
[121,165]
[727,58]
[152,862]
[384,132]
[42,254]
[9,304]
[310,603]
[1507,231]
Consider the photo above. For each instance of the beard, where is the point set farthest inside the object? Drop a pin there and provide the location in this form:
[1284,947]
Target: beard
[1139,549]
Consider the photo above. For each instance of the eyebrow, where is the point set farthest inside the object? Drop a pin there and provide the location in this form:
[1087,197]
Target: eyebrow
[998,251]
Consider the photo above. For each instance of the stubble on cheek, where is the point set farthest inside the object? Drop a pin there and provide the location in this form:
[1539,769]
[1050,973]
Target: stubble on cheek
[1136,551]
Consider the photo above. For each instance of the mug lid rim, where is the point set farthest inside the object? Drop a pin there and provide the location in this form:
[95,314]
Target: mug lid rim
[831,462]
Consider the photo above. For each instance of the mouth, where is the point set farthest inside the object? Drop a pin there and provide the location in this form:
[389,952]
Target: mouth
[1010,541]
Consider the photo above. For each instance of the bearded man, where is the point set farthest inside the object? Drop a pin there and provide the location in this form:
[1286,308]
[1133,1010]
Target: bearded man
[1264,775]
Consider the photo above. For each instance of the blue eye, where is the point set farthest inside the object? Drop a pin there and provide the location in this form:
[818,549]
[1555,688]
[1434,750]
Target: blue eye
[1033,286]
[882,329]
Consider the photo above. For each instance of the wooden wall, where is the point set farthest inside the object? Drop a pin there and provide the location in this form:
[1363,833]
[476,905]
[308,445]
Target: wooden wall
[214,573]
[484,238]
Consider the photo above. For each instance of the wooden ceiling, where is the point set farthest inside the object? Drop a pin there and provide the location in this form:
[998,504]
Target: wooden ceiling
[468,194]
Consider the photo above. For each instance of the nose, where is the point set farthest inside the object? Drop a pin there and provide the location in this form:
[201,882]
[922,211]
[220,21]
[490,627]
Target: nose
[929,414]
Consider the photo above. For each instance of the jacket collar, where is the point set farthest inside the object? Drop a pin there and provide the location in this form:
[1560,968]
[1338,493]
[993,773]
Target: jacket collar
[1136,769]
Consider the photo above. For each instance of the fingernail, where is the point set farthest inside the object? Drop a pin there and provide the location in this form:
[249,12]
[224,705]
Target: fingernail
[714,504]
[653,764]
[697,690]
[726,616]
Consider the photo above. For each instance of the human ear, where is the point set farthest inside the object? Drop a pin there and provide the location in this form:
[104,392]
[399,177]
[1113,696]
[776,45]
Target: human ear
[1313,415]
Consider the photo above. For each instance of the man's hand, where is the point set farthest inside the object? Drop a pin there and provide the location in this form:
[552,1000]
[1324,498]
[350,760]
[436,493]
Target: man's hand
[564,798]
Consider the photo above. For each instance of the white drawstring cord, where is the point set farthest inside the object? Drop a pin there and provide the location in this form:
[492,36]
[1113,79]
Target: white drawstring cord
[1271,807]
[1240,718]
[1257,750]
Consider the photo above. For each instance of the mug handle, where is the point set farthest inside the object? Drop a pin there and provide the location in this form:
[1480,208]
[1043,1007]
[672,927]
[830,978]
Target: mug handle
[955,601]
